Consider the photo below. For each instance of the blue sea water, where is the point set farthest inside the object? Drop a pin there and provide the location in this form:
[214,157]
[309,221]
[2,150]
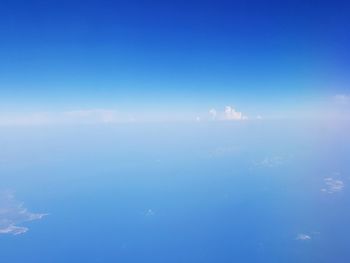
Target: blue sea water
[181,192]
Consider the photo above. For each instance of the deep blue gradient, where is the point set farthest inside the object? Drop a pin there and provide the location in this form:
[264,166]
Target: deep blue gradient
[174,131]
[57,54]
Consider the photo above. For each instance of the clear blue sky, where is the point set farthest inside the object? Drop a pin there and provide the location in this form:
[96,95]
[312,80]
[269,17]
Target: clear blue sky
[211,188]
[259,56]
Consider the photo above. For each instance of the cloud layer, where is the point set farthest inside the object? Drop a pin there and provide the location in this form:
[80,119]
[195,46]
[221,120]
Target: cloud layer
[303,237]
[332,185]
[89,116]
[13,214]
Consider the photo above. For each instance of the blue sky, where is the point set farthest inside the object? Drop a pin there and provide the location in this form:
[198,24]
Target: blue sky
[173,59]
[199,170]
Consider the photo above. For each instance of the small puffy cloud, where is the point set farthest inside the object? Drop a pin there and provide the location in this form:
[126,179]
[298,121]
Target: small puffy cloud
[13,214]
[232,114]
[303,237]
[213,113]
[332,185]
[229,114]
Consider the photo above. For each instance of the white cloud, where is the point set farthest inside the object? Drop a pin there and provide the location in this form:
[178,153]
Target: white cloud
[232,114]
[15,230]
[12,214]
[104,116]
[213,113]
[303,237]
[229,114]
[332,185]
